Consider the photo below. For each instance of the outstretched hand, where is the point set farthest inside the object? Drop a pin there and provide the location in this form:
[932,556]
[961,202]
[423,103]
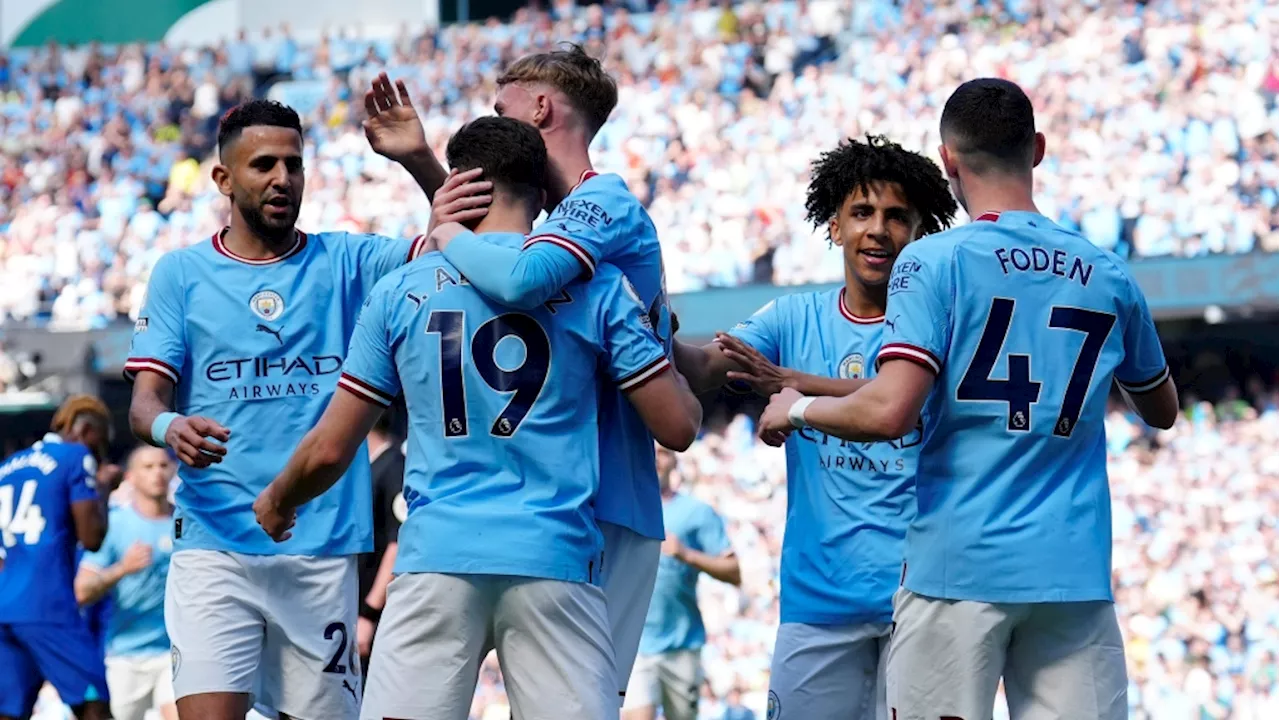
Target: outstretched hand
[393,129]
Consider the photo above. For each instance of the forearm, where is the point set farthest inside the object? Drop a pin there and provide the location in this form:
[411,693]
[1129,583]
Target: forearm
[143,410]
[704,368]
[724,568]
[817,386]
[314,468]
[520,278]
[692,406]
[377,597]
[426,171]
[858,417]
[92,585]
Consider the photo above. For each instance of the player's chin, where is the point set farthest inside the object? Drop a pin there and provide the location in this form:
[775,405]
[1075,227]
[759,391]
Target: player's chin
[872,274]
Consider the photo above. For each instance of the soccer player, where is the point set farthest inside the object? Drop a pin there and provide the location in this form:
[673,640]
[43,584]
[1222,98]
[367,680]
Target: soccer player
[669,667]
[848,504]
[594,219]
[234,356]
[131,568]
[500,548]
[50,500]
[1005,335]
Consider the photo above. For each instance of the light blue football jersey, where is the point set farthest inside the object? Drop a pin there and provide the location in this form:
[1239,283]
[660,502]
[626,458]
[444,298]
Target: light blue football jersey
[598,222]
[848,503]
[38,486]
[503,460]
[258,346]
[1025,324]
[135,625]
[674,621]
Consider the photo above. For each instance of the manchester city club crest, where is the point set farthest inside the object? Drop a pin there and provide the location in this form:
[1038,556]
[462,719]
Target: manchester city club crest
[852,367]
[175,658]
[267,304]
[775,707]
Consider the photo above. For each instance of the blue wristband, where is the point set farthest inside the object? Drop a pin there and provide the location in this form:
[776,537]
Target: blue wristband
[160,427]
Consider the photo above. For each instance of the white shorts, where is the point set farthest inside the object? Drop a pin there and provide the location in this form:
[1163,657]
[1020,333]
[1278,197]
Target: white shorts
[281,628]
[829,672]
[138,684]
[672,680]
[627,574]
[1058,660]
[552,639]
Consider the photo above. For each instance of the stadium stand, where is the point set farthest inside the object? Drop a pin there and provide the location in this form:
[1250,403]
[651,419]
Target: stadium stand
[1162,121]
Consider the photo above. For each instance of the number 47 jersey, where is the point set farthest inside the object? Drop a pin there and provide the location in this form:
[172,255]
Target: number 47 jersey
[1025,324]
[503,460]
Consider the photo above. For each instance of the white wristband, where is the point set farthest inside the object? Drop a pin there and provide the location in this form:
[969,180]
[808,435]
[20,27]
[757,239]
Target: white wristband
[796,413]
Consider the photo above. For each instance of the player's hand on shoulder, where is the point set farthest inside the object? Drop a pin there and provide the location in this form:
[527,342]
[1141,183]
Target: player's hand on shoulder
[192,438]
[775,422]
[393,129]
[137,558]
[755,370]
[464,197]
[275,520]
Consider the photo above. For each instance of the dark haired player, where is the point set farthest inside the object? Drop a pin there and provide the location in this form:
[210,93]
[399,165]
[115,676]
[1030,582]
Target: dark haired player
[1006,334]
[500,548]
[250,327]
[848,504]
[51,500]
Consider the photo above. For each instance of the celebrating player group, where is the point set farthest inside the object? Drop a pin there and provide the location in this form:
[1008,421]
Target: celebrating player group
[948,516]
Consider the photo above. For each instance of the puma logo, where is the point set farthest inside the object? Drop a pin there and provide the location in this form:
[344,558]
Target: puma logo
[269,331]
[892,324]
[347,686]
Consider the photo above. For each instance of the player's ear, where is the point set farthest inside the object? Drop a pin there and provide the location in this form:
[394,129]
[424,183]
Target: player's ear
[222,178]
[1039,155]
[541,109]
[833,231]
[948,164]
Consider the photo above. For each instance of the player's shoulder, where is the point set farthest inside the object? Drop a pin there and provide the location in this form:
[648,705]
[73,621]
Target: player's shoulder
[693,508]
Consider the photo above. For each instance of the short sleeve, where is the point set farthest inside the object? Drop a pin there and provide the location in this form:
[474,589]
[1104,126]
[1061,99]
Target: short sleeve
[105,556]
[634,354]
[1144,367]
[588,224]
[763,331]
[159,334]
[377,255]
[369,371]
[81,475]
[917,318]
[712,538]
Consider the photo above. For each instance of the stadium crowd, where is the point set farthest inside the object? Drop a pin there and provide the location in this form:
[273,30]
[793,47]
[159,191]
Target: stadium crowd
[1162,118]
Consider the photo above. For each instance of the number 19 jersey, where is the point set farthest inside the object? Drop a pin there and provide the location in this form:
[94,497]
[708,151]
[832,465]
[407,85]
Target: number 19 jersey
[1025,324]
[503,461]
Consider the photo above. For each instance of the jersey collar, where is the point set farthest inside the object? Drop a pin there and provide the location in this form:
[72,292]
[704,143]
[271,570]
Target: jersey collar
[856,319]
[299,242]
[988,217]
[586,175]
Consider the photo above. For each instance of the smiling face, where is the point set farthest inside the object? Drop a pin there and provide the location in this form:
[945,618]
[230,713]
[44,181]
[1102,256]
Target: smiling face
[872,227]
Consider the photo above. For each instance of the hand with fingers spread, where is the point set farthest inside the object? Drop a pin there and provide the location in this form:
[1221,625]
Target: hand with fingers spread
[275,520]
[393,129]
[190,439]
[764,377]
[463,198]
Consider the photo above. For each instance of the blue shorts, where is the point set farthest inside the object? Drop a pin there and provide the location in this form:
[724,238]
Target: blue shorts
[65,655]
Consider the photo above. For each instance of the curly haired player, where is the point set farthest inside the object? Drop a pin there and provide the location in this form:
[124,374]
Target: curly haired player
[848,504]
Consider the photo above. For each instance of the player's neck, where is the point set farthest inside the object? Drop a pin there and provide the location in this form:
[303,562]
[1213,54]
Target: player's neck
[153,508]
[862,301]
[568,164]
[243,242]
[505,218]
[999,194]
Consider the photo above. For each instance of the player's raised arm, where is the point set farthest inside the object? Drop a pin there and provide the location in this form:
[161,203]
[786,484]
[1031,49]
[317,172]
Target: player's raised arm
[156,355]
[368,385]
[395,132]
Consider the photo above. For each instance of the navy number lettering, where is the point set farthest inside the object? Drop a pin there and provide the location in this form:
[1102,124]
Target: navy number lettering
[1019,392]
[453,395]
[335,665]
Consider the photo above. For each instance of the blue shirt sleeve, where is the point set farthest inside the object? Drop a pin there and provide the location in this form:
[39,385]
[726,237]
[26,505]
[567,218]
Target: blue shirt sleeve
[81,475]
[588,224]
[370,370]
[376,255]
[159,334]
[763,331]
[712,538]
[107,555]
[1144,367]
[634,354]
[918,315]
[519,278]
